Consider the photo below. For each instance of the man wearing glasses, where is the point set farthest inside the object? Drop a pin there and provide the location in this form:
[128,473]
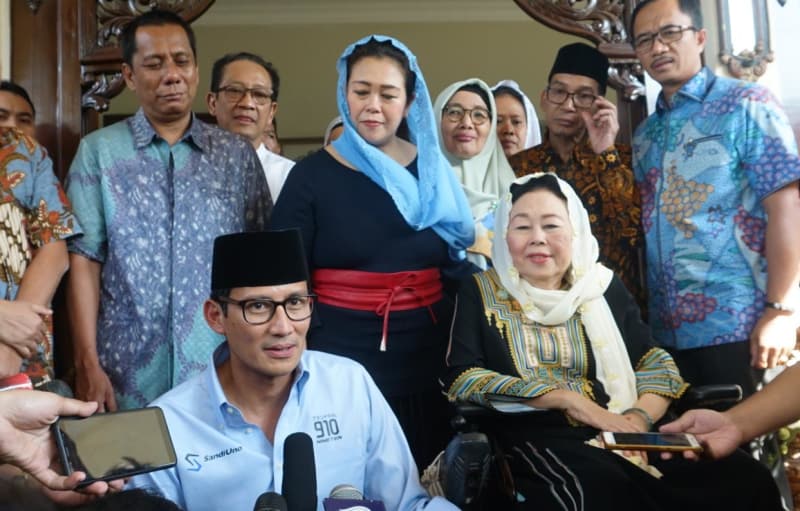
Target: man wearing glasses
[579,145]
[152,193]
[230,423]
[244,99]
[718,171]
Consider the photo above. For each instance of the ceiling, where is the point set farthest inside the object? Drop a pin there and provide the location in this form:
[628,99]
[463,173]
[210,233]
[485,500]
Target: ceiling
[282,12]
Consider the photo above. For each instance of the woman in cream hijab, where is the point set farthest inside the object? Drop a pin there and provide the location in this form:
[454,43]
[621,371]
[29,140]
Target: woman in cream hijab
[551,328]
[517,124]
[467,118]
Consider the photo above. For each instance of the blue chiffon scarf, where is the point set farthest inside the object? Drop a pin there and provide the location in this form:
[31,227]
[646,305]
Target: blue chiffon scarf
[433,199]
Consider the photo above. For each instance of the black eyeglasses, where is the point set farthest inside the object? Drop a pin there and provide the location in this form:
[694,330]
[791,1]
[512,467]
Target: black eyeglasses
[582,99]
[456,113]
[235,93]
[260,310]
[666,34]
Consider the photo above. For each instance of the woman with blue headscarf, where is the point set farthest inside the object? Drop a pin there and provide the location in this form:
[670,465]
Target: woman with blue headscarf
[385,223]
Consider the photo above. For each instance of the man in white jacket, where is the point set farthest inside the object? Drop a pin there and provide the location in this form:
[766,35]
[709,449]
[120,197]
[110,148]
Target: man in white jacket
[244,99]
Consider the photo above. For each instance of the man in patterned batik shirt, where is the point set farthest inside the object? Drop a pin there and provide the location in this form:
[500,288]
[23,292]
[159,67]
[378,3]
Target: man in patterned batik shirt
[579,145]
[35,221]
[718,172]
[152,193]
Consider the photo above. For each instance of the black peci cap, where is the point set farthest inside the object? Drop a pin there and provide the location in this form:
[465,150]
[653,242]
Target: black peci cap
[250,259]
[582,59]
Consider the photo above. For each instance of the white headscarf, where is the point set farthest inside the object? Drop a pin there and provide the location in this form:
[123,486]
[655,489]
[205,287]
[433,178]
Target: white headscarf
[589,280]
[335,122]
[534,135]
[485,176]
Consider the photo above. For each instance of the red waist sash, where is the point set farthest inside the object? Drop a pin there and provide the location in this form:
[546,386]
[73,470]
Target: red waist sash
[378,292]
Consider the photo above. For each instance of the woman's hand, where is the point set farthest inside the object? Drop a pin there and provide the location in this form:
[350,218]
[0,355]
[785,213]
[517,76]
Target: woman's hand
[590,413]
[586,411]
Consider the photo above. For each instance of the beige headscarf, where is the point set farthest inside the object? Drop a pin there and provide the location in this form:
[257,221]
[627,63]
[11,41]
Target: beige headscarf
[486,175]
[589,280]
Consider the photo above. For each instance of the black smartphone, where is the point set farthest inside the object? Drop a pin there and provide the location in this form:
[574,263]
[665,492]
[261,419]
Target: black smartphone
[114,445]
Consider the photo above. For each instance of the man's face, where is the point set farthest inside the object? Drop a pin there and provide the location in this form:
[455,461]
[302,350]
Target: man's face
[270,139]
[564,120]
[15,112]
[673,63]
[164,73]
[241,105]
[271,350]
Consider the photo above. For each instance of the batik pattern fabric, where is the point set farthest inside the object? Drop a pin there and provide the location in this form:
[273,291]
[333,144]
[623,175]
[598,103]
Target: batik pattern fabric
[704,162]
[150,214]
[34,211]
[606,186]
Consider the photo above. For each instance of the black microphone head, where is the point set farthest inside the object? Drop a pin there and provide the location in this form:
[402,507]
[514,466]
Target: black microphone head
[271,501]
[299,473]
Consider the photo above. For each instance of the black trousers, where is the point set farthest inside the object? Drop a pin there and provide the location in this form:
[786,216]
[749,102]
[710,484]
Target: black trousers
[725,363]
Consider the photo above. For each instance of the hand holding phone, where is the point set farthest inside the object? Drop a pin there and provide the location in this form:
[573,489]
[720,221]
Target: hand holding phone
[114,445]
[651,441]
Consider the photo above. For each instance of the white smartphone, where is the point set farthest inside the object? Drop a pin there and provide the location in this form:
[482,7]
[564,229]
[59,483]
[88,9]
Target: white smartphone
[651,441]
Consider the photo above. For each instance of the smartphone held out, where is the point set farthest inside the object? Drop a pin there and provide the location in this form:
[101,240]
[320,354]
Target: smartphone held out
[651,442]
[114,445]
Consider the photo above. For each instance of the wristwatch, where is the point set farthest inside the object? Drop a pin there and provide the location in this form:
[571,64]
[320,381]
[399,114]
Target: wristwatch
[780,307]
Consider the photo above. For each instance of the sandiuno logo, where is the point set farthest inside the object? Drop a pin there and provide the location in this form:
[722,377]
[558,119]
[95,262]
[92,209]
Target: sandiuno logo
[194,465]
[193,460]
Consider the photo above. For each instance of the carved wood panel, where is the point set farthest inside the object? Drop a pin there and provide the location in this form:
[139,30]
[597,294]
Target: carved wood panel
[604,23]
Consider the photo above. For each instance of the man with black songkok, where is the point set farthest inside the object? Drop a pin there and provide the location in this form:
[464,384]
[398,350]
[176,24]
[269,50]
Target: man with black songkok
[229,424]
[579,145]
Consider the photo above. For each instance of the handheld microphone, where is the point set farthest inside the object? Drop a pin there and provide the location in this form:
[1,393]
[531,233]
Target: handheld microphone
[299,486]
[345,491]
[345,497]
[270,501]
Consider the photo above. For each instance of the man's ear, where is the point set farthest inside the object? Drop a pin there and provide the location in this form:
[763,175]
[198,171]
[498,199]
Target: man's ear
[214,315]
[127,75]
[702,35]
[211,103]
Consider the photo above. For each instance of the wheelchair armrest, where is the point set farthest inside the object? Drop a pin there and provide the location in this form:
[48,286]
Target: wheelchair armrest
[467,416]
[717,397]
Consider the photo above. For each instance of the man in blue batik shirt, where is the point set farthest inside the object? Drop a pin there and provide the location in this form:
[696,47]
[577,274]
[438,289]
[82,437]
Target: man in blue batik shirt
[229,424]
[718,172]
[152,193]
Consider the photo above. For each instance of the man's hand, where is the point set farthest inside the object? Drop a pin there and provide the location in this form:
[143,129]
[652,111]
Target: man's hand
[22,326]
[716,432]
[93,384]
[25,437]
[601,123]
[772,339]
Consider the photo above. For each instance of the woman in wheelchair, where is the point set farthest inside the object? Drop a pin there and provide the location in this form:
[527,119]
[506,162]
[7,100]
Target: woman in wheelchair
[551,328]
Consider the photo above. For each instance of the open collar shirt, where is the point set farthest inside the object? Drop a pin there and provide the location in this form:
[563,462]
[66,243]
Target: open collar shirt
[225,462]
[704,162]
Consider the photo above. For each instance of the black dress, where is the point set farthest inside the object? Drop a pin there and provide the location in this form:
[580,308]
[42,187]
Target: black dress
[348,222]
[551,465]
